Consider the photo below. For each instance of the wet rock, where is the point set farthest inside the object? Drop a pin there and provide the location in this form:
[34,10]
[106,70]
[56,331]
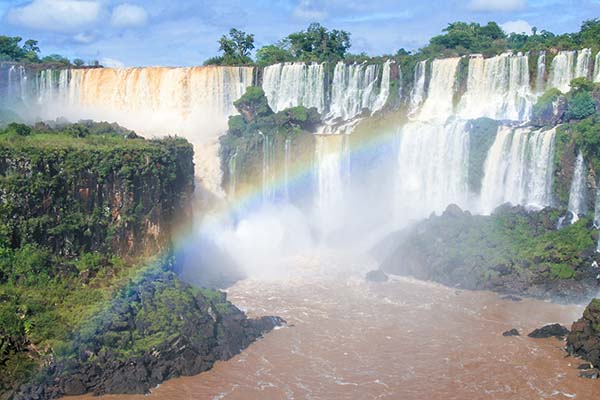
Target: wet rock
[590,374]
[511,297]
[585,366]
[453,211]
[212,329]
[512,332]
[376,276]
[552,330]
[584,339]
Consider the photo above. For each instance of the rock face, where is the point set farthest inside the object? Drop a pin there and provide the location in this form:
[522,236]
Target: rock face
[124,198]
[584,339]
[512,332]
[553,330]
[513,251]
[157,329]
[376,276]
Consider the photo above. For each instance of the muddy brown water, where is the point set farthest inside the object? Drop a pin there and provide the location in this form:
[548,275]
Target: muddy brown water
[404,339]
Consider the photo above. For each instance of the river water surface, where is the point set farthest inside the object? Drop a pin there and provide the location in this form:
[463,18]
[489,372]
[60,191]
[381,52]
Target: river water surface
[404,339]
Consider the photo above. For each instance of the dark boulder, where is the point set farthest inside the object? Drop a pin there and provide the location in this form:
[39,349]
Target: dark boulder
[376,276]
[590,374]
[584,366]
[512,332]
[584,339]
[552,330]
[511,297]
[453,211]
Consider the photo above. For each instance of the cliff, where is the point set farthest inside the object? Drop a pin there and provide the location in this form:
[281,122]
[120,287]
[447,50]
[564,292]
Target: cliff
[83,306]
[77,191]
[511,251]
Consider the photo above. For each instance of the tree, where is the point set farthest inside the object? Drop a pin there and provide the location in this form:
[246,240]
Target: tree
[10,49]
[590,33]
[273,54]
[236,47]
[319,44]
[78,62]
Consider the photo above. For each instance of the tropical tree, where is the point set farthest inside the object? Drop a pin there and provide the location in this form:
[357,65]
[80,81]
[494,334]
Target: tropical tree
[319,44]
[236,47]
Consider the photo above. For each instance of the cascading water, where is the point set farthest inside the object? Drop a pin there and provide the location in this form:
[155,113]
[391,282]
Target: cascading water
[518,169]
[353,89]
[268,154]
[295,84]
[331,154]
[287,158]
[192,102]
[568,65]
[232,167]
[540,81]
[433,149]
[597,68]
[418,92]
[583,63]
[498,88]
[577,194]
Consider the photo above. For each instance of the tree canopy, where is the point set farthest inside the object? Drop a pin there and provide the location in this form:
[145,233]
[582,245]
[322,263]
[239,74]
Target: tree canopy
[236,48]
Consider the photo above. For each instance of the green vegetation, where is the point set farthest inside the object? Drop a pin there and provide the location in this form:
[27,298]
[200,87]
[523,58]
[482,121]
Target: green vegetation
[511,250]
[256,115]
[75,204]
[236,49]
[258,131]
[29,53]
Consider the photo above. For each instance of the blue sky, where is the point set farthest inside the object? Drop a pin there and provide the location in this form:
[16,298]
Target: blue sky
[185,32]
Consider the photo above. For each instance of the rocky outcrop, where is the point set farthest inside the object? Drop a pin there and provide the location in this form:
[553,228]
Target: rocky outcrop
[552,330]
[156,329]
[376,276]
[73,197]
[584,339]
[512,251]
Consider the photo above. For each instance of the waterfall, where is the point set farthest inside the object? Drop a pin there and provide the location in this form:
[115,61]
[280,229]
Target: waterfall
[268,156]
[583,63]
[191,102]
[568,65]
[498,88]
[286,167]
[232,167]
[432,167]
[295,84]
[540,81]
[597,68]
[518,169]
[577,194]
[440,94]
[418,91]
[331,155]
[433,149]
[353,89]
[13,85]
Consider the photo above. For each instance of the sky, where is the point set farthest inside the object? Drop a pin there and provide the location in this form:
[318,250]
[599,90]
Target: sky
[185,32]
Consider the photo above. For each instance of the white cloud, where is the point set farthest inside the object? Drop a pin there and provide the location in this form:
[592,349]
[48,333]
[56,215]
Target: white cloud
[128,15]
[518,26]
[306,10]
[84,38]
[111,62]
[55,15]
[497,5]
